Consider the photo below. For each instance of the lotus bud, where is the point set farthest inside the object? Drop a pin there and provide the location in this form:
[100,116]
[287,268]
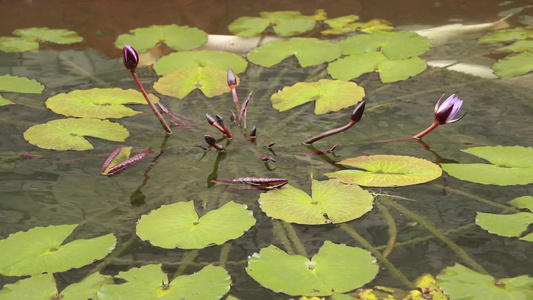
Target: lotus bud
[210,119]
[445,112]
[130,57]
[232,80]
[357,113]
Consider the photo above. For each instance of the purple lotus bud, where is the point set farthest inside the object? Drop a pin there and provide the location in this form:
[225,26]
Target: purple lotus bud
[211,141]
[445,112]
[210,119]
[253,132]
[130,57]
[232,80]
[220,120]
[357,113]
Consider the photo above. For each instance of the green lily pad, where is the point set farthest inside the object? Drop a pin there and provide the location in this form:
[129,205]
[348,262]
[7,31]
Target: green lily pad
[459,282]
[394,45]
[149,282]
[387,170]
[212,82]
[334,269]
[329,95]
[30,37]
[397,70]
[308,51]
[97,103]
[175,37]
[205,58]
[69,134]
[331,202]
[40,250]
[518,33]
[514,65]
[510,165]
[9,83]
[4,101]
[18,44]
[284,23]
[178,225]
[510,225]
[366,27]
[519,46]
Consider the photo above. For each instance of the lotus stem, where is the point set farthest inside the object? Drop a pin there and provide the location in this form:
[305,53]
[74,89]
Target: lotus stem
[329,132]
[426,131]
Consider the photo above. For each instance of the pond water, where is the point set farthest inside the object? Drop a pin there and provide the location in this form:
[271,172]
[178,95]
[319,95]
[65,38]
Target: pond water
[58,187]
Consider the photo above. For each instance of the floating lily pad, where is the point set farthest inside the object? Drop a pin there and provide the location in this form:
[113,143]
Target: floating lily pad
[397,70]
[97,103]
[18,44]
[394,45]
[509,166]
[331,201]
[387,170]
[69,134]
[178,225]
[149,282]
[341,26]
[330,95]
[308,51]
[334,269]
[40,250]
[514,65]
[284,23]
[518,33]
[9,83]
[459,282]
[175,37]
[519,46]
[30,37]
[190,59]
[4,101]
[212,82]
[509,225]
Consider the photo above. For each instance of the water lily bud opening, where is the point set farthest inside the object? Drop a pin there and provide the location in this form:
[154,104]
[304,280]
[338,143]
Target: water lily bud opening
[232,80]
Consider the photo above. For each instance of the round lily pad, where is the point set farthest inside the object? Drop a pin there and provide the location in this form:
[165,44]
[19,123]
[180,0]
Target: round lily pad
[150,283]
[97,103]
[69,134]
[206,58]
[174,36]
[284,23]
[331,202]
[330,95]
[334,269]
[29,38]
[509,225]
[9,83]
[212,82]
[40,250]
[387,170]
[178,225]
[514,65]
[517,33]
[510,165]
[308,51]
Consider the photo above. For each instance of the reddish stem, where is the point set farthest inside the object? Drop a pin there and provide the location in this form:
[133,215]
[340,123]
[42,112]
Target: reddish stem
[235,99]
[330,132]
[428,130]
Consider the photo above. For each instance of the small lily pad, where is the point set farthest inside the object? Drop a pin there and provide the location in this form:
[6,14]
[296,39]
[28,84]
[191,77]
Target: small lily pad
[40,250]
[387,170]
[9,83]
[178,225]
[284,23]
[518,33]
[212,82]
[459,282]
[97,103]
[509,225]
[4,101]
[514,65]
[18,44]
[175,37]
[519,46]
[150,283]
[205,58]
[330,95]
[334,269]
[331,202]
[510,165]
[69,134]
[366,27]
[397,70]
[30,37]
[308,51]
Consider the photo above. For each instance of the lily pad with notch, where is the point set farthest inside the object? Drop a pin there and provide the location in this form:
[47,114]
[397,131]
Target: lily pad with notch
[204,58]
[387,170]
[346,24]
[97,103]
[336,268]
[29,38]
[284,23]
[177,225]
[514,65]
[212,82]
[509,165]
[174,36]
[9,83]
[330,202]
[69,134]
[41,249]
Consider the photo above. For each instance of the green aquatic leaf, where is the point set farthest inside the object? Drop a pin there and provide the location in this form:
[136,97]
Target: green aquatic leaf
[519,46]
[459,282]
[514,65]
[178,225]
[334,269]
[308,51]
[44,34]
[284,23]
[397,70]
[18,44]
[331,201]
[394,45]
[353,66]
[97,103]
[329,95]
[40,249]
[509,225]
[175,37]
[38,287]
[366,27]
[205,58]
[9,83]
[149,282]
[212,82]
[4,101]
[518,33]
[387,170]
[510,165]
[340,22]
[88,288]
[69,134]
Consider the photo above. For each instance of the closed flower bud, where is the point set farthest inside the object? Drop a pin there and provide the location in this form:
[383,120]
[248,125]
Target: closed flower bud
[130,57]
